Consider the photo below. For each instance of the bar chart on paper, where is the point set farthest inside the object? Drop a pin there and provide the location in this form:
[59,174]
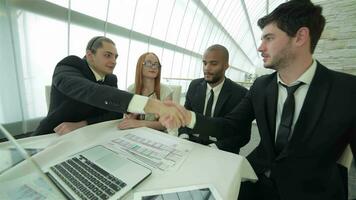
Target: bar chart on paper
[156,151]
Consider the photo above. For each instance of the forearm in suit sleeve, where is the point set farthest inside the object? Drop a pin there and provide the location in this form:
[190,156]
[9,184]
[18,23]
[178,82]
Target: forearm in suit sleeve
[72,83]
[188,106]
[237,123]
[104,117]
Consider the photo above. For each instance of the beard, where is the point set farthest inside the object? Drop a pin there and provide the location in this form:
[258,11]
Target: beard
[214,78]
[281,59]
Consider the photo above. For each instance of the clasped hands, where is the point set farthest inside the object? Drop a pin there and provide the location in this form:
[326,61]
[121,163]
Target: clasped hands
[171,115]
[174,116]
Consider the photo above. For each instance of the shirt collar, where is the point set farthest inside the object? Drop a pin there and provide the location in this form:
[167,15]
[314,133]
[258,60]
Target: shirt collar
[306,77]
[98,77]
[216,88]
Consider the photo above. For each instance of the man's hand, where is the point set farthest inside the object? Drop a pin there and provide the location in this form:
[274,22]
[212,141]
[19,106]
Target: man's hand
[128,123]
[131,116]
[168,112]
[169,122]
[67,127]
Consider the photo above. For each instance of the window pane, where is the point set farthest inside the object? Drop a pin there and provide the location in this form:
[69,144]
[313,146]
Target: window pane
[145,12]
[92,8]
[121,12]
[39,57]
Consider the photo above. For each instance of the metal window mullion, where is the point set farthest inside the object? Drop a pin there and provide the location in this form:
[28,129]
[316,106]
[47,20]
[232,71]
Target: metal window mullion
[206,28]
[249,25]
[153,23]
[223,18]
[218,14]
[189,32]
[106,18]
[16,54]
[169,23]
[129,47]
[193,47]
[68,25]
[179,31]
[208,13]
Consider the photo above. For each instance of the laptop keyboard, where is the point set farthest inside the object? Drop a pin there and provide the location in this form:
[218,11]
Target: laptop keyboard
[87,179]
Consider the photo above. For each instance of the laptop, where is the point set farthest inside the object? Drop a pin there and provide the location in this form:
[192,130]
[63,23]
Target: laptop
[95,173]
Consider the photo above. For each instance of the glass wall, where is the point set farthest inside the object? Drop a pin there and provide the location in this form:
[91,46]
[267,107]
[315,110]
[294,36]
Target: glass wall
[36,34]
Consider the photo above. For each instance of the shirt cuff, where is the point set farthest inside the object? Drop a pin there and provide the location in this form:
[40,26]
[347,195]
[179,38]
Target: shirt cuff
[184,136]
[192,120]
[137,104]
[213,145]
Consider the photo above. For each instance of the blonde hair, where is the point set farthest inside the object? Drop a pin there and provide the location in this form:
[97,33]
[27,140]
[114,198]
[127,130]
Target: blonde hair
[139,76]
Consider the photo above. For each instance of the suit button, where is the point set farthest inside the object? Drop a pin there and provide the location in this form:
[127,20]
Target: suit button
[106,102]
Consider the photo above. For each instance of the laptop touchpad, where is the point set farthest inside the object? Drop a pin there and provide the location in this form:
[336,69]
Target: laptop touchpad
[111,162]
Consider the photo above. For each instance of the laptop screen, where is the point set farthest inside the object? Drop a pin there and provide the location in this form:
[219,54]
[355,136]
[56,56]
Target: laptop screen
[20,176]
[10,156]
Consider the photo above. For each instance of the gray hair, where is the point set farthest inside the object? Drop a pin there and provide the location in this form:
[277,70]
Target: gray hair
[97,42]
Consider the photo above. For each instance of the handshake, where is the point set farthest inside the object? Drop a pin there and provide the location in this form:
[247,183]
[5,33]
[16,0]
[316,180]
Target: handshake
[171,115]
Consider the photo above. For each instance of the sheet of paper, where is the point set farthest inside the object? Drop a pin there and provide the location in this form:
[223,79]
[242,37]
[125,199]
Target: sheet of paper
[156,151]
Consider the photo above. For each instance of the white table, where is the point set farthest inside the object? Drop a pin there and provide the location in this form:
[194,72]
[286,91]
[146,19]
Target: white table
[204,165]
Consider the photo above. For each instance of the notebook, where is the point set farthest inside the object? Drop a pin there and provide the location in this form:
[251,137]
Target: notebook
[95,173]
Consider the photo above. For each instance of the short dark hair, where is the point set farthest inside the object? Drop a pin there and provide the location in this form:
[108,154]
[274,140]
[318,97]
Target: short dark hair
[219,48]
[294,14]
[97,42]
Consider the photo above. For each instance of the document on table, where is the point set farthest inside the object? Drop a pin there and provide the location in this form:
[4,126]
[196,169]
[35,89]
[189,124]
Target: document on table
[156,151]
[195,192]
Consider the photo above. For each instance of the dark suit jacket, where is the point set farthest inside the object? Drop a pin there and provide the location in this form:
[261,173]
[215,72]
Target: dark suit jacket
[306,168]
[76,96]
[230,95]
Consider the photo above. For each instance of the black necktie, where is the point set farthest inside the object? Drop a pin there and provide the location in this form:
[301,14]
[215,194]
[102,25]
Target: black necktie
[285,125]
[204,139]
[209,105]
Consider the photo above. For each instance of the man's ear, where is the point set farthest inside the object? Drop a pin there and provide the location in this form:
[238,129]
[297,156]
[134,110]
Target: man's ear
[89,55]
[302,36]
[226,66]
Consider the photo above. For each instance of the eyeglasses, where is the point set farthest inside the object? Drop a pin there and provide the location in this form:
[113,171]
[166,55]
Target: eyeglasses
[151,65]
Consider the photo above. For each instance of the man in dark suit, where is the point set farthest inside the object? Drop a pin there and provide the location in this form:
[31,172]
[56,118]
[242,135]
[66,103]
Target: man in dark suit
[225,94]
[303,132]
[84,91]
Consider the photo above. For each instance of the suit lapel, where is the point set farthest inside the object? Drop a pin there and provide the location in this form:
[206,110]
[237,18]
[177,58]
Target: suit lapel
[271,96]
[225,93]
[200,97]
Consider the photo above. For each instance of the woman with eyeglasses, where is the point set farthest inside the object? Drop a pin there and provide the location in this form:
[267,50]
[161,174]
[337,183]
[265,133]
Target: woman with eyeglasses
[147,83]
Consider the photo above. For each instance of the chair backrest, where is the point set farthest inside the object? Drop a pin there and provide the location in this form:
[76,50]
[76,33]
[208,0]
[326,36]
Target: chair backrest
[177,90]
[346,158]
[48,94]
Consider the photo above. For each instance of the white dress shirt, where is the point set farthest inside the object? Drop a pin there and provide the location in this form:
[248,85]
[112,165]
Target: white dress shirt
[98,77]
[216,90]
[299,95]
